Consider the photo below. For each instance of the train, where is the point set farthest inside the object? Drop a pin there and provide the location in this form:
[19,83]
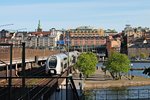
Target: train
[57,64]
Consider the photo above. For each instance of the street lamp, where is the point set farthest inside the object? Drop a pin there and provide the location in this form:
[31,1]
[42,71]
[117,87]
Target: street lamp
[131,70]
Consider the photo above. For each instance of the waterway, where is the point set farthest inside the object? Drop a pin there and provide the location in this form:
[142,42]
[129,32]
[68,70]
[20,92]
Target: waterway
[124,93]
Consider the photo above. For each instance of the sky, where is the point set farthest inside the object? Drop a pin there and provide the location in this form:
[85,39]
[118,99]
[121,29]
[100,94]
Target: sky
[68,14]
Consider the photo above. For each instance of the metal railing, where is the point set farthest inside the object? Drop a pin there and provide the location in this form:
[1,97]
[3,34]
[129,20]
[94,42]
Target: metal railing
[129,94]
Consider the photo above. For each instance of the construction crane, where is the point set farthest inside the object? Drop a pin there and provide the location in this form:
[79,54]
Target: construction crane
[15,31]
[6,25]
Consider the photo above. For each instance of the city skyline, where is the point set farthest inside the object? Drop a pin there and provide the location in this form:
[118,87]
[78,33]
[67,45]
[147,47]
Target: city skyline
[113,14]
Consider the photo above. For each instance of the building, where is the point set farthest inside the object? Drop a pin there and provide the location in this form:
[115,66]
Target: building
[113,44]
[136,50]
[110,32]
[40,42]
[137,41]
[3,33]
[133,34]
[86,38]
[140,46]
[43,39]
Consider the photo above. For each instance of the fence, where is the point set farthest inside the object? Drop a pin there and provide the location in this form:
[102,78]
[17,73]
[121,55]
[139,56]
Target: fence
[129,94]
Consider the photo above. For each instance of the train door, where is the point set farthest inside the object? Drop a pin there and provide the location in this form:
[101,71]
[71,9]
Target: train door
[74,59]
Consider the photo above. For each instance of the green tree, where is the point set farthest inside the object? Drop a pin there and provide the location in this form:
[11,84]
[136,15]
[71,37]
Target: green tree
[117,64]
[143,55]
[133,56]
[86,63]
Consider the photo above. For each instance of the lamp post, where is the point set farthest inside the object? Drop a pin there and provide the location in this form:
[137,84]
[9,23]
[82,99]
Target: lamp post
[131,71]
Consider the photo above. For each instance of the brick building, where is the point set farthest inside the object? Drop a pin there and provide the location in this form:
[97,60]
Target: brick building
[113,44]
[86,38]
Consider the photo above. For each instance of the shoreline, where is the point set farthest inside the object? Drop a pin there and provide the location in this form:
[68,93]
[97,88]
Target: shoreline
[133,61]
[101,81]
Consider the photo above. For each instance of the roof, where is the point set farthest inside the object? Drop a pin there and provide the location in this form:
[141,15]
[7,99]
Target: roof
[40,33]
[143,45]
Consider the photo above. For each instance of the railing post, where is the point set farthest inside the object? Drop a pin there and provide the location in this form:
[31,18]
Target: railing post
[66,88]
[138,94]
[23,64]
[7,72]
[148,93]
[106,94]
[10,74]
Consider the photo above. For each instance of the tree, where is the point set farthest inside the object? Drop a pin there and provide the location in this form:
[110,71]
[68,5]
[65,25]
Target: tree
[133,56]
[143,55]
[86,63]
[117,64]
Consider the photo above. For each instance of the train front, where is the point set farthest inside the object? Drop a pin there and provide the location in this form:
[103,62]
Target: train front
[51,65]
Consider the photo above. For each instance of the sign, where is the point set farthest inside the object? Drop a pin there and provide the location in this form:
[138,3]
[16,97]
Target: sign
[60,42]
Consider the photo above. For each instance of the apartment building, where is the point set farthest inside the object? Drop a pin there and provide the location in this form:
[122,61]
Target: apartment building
[86,38]
[113,44]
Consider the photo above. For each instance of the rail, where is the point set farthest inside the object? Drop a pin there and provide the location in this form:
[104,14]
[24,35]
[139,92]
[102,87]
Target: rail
[46,86]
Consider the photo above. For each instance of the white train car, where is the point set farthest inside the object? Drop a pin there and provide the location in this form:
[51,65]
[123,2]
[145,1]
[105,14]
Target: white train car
[73,57]
[56,64]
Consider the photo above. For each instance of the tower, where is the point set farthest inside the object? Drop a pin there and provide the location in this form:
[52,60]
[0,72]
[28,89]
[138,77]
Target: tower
[39,29]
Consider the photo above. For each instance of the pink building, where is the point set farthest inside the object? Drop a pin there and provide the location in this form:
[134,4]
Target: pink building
[113,44]
[86,38]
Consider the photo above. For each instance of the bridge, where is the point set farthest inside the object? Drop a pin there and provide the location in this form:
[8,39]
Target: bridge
[23,78]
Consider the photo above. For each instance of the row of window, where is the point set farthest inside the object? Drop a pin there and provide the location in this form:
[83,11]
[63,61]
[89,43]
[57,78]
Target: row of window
[84,31]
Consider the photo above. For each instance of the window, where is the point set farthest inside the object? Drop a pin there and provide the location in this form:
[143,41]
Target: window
[74,59]
[65,65]
[52,62]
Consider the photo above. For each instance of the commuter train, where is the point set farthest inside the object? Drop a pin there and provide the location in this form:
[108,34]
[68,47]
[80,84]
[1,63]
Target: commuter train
[57,64]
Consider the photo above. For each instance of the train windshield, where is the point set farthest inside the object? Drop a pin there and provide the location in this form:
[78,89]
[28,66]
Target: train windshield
[52,62]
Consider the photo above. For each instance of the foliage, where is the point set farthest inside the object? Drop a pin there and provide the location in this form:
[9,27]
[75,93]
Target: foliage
[133,56]
[86,63]
[143,55]
[117,64]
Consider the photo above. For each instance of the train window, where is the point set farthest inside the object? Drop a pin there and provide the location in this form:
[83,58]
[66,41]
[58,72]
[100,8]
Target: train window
[65,58]
[61,64]
[52,62]
[74,59]
[65,65]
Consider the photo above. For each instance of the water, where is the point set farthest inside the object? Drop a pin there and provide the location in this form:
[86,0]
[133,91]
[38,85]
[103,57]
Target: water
[140,72]
[123,93]
[136,72]
[142,92]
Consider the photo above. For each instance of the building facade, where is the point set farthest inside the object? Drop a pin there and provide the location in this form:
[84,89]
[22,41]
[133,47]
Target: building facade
[43,39]
[86,38]
[113,44]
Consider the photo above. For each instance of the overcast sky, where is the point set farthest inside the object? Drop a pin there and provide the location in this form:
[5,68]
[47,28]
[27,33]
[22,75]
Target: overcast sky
[113,14]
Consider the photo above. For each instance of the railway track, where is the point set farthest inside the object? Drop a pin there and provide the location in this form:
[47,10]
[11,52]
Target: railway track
[47,84]
[42,85]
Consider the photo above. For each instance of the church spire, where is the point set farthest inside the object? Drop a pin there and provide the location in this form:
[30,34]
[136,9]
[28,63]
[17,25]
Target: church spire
[39,29]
